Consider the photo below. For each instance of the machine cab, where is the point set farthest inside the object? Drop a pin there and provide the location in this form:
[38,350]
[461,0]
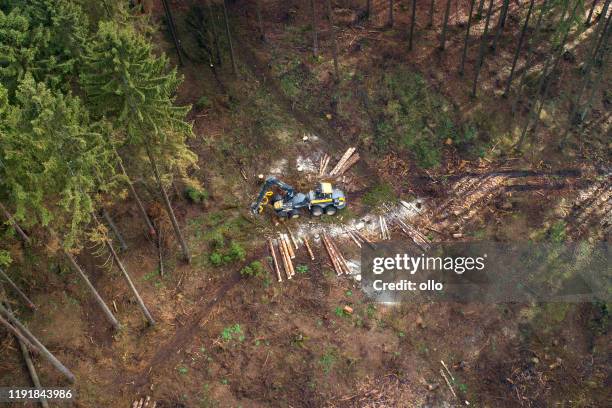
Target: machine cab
[324,191]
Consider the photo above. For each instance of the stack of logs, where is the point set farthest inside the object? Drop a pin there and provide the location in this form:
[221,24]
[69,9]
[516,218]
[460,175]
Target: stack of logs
[144,403]
[335,256]
[347,160]
[286,245]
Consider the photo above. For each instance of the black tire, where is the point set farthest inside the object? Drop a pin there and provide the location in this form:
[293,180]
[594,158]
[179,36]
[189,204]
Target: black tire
[294,214]
[331,210]
[317,211]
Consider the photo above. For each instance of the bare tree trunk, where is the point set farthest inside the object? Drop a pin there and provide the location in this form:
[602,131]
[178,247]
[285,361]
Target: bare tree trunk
[544,82]
[144,309]
[390,21]
[37,344]
[590,15]
[229,42]
[16,226]
[213,29]
[587,76]
[467,36]
[143,212]
[604,12]
[107,312]
[166,200]
[12,284]
[412,24]
[262,32]
[519,47]
[480,8]
[313,22]
[530,51]
[32,370]
[483,46]
[24,343]
[445,25]
[172,28]
[330,16]
[500,24]
[432,5]
[114,228]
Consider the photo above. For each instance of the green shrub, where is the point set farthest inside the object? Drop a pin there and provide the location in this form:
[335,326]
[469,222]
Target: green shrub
[380,194]
[236,252]
[196,195]
[216,258]
[301,268]
[203,103]
[254,269]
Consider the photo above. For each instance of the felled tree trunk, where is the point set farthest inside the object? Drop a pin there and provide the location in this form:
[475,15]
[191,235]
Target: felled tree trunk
[14,223]
[39,346]
[107,312]
[166,200]
[143,307]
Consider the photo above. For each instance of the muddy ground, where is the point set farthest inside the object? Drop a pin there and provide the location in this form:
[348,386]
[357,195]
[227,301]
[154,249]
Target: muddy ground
[223,340]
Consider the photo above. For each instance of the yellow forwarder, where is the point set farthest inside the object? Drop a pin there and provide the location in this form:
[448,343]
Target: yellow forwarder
[323,199]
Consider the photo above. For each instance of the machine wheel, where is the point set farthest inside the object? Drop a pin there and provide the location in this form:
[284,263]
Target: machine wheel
[317,210]
[294,214]
[331,210]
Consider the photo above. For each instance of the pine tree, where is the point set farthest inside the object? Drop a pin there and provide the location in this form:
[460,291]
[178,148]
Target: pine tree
[126,81]
[44,38]
[313,23]
[228,34]
[330,16]
[412,24]
[467,36]
[519,47]
[483,45]
[55,162]
[445,25]
[432,6]
[500,24]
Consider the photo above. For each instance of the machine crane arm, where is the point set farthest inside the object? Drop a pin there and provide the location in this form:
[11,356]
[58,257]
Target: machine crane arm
[265,193]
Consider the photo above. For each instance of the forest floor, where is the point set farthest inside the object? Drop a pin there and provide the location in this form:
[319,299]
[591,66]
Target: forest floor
[227,341]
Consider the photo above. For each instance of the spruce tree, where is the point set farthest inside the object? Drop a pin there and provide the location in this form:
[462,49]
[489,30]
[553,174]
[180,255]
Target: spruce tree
[124,80]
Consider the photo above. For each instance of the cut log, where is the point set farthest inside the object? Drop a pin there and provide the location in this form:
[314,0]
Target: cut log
[309,249]
[12,284]
[342,160]
[292,238]
[284,257]
[332,258]
[289,246]
[349,163]
[275,260]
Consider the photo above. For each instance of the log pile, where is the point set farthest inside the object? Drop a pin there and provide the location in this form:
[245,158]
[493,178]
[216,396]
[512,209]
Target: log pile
[335,256]
[275,260]
[286,251]
[384,229]
[144,403]
[347,160]
[323,165]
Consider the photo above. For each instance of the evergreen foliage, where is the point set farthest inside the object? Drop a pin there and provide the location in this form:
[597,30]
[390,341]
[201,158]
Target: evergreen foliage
[42,37]
[55,161]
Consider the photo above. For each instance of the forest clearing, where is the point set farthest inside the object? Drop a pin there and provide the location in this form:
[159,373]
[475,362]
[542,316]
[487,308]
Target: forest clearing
[139,267]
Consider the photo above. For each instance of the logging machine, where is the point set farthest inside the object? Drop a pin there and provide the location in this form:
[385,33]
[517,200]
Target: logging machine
[324,199]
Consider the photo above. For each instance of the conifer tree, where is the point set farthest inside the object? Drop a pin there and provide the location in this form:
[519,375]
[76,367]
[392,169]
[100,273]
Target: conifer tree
[44,38]
[54,162]
[124,80]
